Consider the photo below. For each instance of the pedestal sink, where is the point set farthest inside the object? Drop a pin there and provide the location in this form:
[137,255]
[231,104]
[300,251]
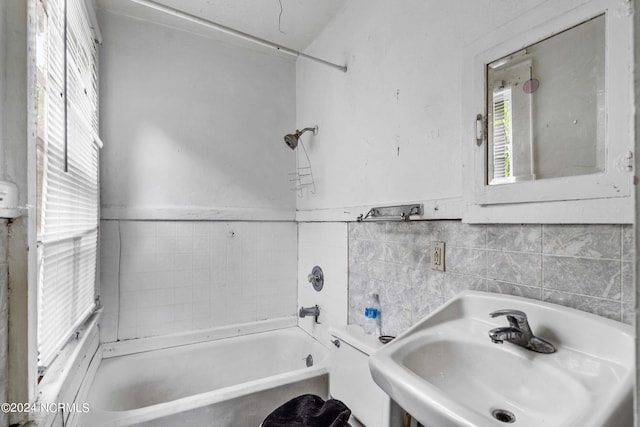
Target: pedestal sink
[445,370]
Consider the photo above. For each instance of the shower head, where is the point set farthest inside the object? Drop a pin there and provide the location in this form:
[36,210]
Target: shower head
[292,139]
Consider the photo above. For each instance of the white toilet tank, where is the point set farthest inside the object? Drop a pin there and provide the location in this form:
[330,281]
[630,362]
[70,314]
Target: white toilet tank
[349,377]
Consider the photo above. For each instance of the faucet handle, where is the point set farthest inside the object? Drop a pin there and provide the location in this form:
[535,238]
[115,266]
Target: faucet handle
[517,319]
[523,335]
[519,315]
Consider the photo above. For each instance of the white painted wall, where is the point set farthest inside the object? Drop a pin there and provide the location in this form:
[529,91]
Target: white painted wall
[3,85]
[13,147]
[17,164]
[390,128]
[323,244]
[192,127]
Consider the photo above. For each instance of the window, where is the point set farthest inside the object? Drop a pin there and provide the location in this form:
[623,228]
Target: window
[570,139]
[68,187]
[502,138]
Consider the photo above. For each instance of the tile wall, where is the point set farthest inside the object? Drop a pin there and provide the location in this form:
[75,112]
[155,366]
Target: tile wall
[588,267]
[160,277]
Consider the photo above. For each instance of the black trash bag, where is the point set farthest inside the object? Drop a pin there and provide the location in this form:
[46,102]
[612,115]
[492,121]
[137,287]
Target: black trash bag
[309,410]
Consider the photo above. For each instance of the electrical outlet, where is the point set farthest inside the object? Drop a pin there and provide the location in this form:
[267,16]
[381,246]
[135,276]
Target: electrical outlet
[437,256]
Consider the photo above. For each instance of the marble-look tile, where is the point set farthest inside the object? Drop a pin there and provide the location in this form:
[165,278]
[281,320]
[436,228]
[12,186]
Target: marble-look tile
[417,276]
[429,281]
[455,233]
[423,306]
[589,277]
[453,284]
[628,243]
[515,267]
[427,294]
[628,284]
[514,237]
[367,231]
[379,270]
[369,250]
[601,307]
[421,231]
[592,241]
[396,303]
[360,268]
[628,313]
[419,258]
[357,251]
[395,274]
[391,252]
[466,261]
[394,259]
[505,288]
[395,321]
[356,232]
[357,267]
[401,231]
[403,253]
[426,291]
[412,255]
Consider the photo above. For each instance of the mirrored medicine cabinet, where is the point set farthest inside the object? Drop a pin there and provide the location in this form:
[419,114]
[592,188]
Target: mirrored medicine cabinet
[552,103]
[545,108]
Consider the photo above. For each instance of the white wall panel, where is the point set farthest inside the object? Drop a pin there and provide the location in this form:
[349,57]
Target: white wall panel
[192,126]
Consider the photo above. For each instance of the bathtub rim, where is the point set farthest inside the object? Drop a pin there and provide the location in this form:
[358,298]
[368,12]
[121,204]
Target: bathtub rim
[178,339]
[141,345]
[139,415]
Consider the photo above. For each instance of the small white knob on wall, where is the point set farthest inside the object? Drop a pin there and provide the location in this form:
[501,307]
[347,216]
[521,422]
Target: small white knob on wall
[8,200]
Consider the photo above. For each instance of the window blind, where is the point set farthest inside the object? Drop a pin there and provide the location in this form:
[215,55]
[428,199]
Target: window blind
[501,135]
[68,223]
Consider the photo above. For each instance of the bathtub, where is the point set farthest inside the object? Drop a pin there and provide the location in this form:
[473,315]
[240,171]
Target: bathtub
[234,381]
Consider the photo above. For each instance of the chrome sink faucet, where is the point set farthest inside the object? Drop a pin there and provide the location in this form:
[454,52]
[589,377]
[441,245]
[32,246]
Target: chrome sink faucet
[518,332]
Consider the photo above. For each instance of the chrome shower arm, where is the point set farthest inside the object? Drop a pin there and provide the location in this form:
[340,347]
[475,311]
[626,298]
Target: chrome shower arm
[313,129]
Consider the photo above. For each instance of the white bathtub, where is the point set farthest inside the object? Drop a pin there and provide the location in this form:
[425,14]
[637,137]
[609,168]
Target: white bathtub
[229,382]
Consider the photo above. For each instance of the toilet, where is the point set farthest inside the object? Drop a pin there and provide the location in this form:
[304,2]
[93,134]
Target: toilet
[350,380]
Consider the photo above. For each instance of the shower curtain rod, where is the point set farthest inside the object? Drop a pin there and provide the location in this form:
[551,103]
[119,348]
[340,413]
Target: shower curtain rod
[233,32]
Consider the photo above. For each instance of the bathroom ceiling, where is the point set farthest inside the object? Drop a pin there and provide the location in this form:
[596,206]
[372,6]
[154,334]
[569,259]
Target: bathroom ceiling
[294,25]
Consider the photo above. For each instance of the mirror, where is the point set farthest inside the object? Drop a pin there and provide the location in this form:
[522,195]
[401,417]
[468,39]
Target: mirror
[546,108]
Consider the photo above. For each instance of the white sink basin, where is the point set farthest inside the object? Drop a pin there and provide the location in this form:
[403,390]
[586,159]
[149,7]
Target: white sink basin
[445,370]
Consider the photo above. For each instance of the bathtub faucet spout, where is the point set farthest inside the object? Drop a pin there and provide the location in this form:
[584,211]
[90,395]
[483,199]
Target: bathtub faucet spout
[310,311]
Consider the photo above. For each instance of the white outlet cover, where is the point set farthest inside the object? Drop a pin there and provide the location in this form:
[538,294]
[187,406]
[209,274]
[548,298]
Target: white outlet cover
[437,255]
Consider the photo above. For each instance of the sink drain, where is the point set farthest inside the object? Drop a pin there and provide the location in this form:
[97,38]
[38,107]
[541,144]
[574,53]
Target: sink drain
[503,416]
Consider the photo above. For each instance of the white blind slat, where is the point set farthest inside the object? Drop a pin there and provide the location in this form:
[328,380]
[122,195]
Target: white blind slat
[67,243]
[500,136]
